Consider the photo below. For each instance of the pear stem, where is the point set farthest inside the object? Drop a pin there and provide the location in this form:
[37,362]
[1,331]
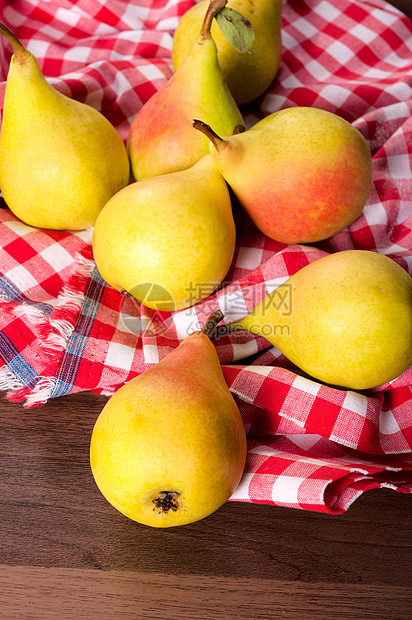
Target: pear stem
[218,142]
[211,323]
[212,10]
[19,51]
[238,129]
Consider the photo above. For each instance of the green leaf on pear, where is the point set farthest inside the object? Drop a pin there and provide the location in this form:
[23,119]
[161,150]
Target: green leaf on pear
[236,28]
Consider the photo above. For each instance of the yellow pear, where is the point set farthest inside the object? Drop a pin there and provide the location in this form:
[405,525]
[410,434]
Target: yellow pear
[161,138]
[169,447]
[302,174]
[60,160]
[345,319]
[172,235]
[248,75]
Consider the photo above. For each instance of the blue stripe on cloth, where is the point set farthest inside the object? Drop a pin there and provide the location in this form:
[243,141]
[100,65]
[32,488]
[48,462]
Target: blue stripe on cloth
[61,388]
[69,366]
[16,363]
[13,293]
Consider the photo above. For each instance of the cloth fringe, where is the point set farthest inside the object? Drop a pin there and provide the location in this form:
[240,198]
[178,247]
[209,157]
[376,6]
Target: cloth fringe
[53,334]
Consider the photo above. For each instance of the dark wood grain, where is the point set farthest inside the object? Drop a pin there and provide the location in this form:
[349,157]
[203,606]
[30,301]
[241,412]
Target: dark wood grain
[403,5]
[62,544]
[85,595]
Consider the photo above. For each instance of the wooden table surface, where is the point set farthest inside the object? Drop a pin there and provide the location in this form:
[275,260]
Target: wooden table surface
[67,554]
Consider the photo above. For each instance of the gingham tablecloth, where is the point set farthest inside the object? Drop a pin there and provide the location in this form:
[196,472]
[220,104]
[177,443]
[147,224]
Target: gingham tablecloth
[64,330]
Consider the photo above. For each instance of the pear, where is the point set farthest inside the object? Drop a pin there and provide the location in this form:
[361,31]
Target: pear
[169,447]
[161,138]
[172,236]
[247,75]
[345,319]
[60,160]
[302,174]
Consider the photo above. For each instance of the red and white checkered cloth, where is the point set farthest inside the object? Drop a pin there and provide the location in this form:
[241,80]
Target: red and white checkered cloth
[64,330]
